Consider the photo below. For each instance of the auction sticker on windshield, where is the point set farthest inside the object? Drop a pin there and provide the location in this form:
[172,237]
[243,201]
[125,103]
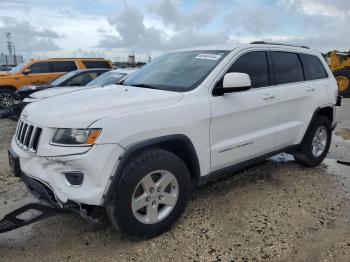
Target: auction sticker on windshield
[208,56]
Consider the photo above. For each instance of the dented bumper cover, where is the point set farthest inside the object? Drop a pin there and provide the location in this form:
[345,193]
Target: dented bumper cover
[97,164]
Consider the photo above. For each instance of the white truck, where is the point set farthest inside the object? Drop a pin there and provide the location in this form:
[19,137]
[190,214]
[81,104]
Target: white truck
[188,117]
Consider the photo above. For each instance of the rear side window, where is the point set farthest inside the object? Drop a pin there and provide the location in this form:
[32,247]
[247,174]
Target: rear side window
[255,65]
[39,68]
[313,67]
[62,66]
[82,79]
[96,64]
[287,68]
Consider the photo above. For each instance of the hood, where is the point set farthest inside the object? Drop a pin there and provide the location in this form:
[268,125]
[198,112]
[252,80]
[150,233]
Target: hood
[80,109]
[57,91]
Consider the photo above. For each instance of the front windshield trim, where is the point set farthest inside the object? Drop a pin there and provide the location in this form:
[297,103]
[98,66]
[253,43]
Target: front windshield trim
[186,73]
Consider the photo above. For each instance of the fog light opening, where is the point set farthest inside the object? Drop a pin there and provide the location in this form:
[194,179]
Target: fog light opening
[74,178]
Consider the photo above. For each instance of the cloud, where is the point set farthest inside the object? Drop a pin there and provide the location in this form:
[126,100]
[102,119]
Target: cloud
[26,37]
[133,33]
[258,20]
[113,28]
[319,7]
[170,14]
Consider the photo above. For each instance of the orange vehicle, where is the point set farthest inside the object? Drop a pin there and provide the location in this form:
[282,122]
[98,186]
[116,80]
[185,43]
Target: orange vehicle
[39,72]
[339,62]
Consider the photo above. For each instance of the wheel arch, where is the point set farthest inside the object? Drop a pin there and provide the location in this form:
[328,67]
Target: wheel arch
[178,144]
[327,111]
[11,88]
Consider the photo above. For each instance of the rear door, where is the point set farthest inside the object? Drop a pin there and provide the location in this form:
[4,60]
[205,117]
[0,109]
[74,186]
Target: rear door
[295,95]
[243,123]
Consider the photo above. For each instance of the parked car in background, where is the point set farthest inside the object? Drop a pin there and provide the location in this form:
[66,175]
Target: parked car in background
[109,78]
[5,68]
[74,78]
[40,72]
[112,77]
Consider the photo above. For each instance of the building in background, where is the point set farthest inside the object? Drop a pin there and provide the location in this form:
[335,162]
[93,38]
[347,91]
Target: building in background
[12,59]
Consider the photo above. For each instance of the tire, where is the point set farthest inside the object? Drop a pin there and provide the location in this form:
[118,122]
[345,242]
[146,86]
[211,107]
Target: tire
[7,98]
[343,79]
[123,211]
[306,154]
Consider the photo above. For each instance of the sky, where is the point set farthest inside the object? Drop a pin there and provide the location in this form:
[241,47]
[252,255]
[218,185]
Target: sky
[116,28]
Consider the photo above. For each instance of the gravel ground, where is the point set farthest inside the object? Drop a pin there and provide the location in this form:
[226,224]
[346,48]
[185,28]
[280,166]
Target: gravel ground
[277,211]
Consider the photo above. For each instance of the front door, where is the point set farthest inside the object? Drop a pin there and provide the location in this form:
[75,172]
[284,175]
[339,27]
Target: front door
[243,123]
[40,74]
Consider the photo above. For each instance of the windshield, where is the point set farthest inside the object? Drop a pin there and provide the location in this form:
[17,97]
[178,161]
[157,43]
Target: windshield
[109,78]
[58,81]
[17,69]
[178,71]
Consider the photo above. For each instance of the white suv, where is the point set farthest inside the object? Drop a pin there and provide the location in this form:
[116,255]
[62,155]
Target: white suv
[186,118]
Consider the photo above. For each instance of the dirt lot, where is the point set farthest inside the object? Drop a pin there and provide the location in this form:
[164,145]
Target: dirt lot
[278,211]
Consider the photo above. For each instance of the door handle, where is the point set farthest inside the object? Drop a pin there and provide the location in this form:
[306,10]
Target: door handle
[269,96]
[309,89]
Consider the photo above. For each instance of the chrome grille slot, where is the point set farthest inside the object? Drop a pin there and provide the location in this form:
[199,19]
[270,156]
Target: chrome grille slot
[23,134]
[28,136]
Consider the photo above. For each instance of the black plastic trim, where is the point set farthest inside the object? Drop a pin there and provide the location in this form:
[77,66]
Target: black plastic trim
[224,172]
[281,44]
[147,144]
[339,100]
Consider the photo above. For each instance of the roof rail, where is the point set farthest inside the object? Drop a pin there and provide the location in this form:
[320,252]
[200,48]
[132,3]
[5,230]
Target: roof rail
[270,43]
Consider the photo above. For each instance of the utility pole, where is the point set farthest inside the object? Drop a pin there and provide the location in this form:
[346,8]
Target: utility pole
[9,43]
[11,47]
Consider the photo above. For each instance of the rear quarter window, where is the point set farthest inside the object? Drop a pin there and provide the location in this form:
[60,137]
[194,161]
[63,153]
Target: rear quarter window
[287,67]
[313,68]
[96,64]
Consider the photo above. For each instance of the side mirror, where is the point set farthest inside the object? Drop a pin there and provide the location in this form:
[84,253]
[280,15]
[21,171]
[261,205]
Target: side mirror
[26,71]
[236,82]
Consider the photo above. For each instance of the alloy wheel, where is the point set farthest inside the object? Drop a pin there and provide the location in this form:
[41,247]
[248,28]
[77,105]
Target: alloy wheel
[319,141]
[155,196]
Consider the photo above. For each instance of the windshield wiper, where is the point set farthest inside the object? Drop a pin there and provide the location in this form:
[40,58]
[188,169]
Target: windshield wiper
[145,86]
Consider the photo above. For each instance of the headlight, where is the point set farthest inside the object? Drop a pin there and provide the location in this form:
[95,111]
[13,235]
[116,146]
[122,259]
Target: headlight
[75,137]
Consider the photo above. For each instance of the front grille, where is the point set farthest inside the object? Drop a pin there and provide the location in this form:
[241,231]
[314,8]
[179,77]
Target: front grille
[28,136]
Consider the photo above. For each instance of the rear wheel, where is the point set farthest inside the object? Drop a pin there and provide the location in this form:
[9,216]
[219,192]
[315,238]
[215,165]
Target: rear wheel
[343,79]
[7,98]
[315,145]
[153,192]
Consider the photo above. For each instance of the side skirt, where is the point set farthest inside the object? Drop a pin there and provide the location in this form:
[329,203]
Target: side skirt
[222,173]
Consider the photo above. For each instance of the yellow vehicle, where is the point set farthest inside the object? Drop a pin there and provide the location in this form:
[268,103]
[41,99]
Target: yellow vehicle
[39,72]
[340,64]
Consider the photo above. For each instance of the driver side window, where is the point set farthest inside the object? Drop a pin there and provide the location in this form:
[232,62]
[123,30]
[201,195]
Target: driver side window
[255,65]
[39,68]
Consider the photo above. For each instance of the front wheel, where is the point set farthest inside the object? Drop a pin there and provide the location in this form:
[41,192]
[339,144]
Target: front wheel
[315,145]
[152,194]
[7,98]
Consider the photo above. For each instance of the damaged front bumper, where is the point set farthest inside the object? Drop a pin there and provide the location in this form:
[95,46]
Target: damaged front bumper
[48,207]
[44,178]
[96,164]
